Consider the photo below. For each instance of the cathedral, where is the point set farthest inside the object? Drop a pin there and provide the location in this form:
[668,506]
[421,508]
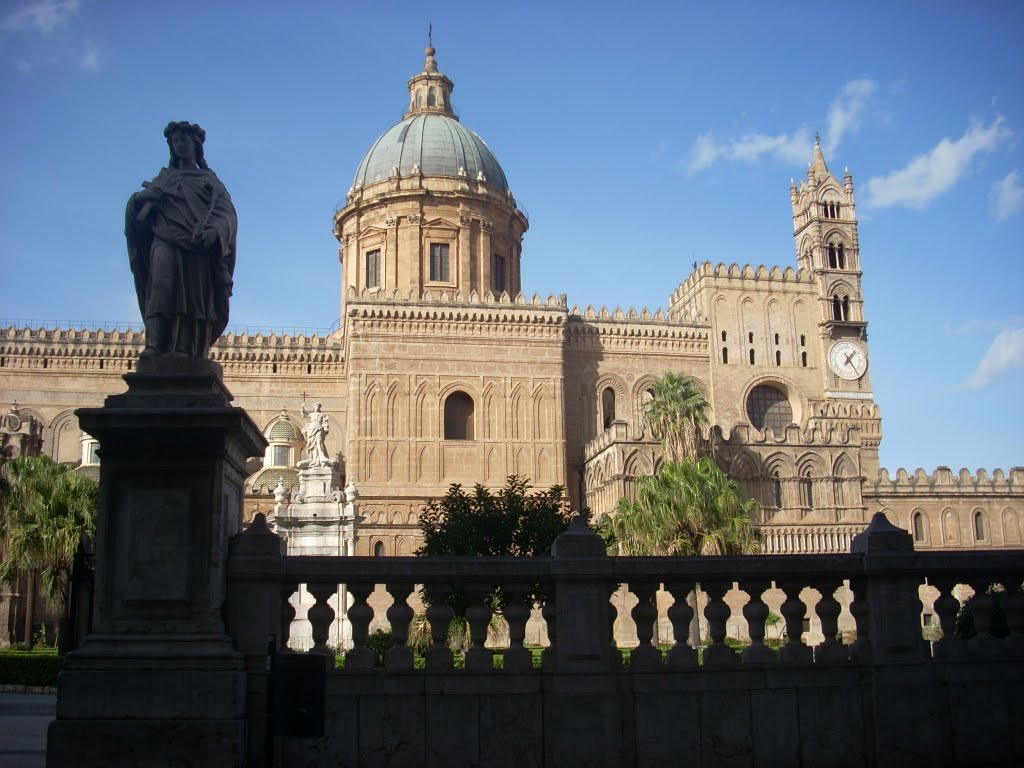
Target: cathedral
[443,372]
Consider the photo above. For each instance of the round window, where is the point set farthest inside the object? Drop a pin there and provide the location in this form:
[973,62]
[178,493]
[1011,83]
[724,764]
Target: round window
[769,407]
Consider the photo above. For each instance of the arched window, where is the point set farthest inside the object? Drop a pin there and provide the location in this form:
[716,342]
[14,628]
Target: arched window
[831,256]
[846,307]
[607,407]
[778,357]
[725,355]
[807,491]
[769,407]
[979,526]
[917,524]
[803,359]
[458,417]
[841,257]
[431,98]
[378,549]
[777,491]
[751,357]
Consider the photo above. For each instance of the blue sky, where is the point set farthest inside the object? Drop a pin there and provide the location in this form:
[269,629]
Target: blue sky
[639,138]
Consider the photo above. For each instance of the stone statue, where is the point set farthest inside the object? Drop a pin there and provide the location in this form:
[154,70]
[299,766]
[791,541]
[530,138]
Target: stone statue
[181,231]
[315,431]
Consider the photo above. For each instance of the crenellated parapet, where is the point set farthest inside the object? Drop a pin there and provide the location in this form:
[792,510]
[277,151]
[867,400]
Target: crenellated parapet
[444,296]
[944,481]
[745,435]
[117,350]
[631,330]
[687,302]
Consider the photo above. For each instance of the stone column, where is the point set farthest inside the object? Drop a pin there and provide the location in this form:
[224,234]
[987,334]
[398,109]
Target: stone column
[160,676]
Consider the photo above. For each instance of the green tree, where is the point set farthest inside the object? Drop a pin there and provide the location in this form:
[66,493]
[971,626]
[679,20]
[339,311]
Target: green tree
[678,416]
[46,509]
[511,522]
[690,507]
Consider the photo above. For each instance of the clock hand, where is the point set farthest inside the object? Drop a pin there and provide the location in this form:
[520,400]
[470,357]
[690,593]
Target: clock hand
[849,358]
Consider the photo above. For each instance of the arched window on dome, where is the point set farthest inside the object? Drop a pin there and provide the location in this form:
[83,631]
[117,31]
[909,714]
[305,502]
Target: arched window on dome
[458,417]
[607,407]
[431,98]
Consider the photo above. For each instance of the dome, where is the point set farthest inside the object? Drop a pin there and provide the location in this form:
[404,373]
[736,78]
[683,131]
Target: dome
[440,145]
[283,430]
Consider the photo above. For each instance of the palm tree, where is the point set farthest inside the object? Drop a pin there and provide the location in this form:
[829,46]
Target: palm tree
[46,509]
[690,507]
[678,415]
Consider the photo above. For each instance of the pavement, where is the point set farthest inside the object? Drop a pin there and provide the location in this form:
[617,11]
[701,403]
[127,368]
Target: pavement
[24,718]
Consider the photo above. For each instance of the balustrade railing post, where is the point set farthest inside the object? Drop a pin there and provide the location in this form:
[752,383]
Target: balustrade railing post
[360,614]
[946,607]
[892,594]
[439,615]
[756,614]
[717,612]
[320,616]
[400,614]
[646,656]
[831,649]
[982,607]
[549,656]
[795,651]
[479,657]
[517,658]
[288,588]
[1013,607]
[255,567]
[860,650]
[680,613]
[582,573]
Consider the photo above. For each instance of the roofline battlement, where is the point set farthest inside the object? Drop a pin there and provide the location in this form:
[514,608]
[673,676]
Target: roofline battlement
[746,434]
[944,479]
[444,296]
[742,272]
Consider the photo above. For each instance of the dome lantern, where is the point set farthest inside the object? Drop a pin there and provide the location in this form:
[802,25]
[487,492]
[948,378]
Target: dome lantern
[430,92]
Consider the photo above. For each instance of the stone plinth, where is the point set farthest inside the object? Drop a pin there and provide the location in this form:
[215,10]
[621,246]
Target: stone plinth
[159,676]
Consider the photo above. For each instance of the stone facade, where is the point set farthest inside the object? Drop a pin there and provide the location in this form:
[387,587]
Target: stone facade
[443,371]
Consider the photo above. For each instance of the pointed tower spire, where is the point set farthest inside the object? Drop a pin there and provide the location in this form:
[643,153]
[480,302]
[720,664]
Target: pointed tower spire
[818,167]
[430,92]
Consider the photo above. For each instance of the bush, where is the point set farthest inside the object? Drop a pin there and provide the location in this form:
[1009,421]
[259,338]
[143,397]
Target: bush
[35,667]
[965,627]
[379,643]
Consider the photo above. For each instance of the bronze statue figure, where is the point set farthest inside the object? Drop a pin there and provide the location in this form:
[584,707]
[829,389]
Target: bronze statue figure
[181,231]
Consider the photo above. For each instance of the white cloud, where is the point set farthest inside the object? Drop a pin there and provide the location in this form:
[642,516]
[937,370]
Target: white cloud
[1005,354]
[43,16]
[846,110]
[1007,196]
[749,148]
[929,175]
[90,60]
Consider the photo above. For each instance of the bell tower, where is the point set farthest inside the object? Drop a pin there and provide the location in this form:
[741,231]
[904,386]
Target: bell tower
[828,247]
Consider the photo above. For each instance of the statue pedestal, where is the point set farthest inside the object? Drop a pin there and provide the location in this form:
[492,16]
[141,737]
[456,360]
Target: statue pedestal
[159,678]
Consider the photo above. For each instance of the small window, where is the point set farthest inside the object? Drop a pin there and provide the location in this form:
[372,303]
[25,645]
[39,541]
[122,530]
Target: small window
[723,335]
[607,407]
[751,357]
[750,337]
[841,257]
[378,549]
[831,256]
[777,491]
[803,359]
[419,99]
[431,98]
[803,340]
[373,268]
[918,526]
[439,263]
[92,452]
[776,338]
[979,526]
[458,417]
[778,357]
[725,355]
[499,274]
[281,456]
[807,491]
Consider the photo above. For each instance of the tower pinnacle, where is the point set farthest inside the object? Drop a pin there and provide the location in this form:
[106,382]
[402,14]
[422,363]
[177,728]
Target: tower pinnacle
[430,91]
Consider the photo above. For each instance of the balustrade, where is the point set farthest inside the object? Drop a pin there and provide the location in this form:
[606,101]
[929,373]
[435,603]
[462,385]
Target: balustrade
[880,601]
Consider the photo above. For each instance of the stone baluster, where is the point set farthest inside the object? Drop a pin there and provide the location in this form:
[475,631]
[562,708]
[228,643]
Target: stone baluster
[479,658]
[320,616]
[795,651]
[717,613]
[1013,607]
[756,613]
[946,607]
[287,611]
[517,658]
[860,609]
[360,614]
[982,607]
[439,614]
[549,612]
[613,613]
[830,650]
[680,613]
[645,656]
[399,613]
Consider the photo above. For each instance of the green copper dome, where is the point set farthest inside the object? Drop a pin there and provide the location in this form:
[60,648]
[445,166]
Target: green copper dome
[430,140]
[439,145]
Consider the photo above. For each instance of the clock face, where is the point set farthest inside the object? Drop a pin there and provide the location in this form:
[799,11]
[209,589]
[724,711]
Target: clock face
[848,360]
